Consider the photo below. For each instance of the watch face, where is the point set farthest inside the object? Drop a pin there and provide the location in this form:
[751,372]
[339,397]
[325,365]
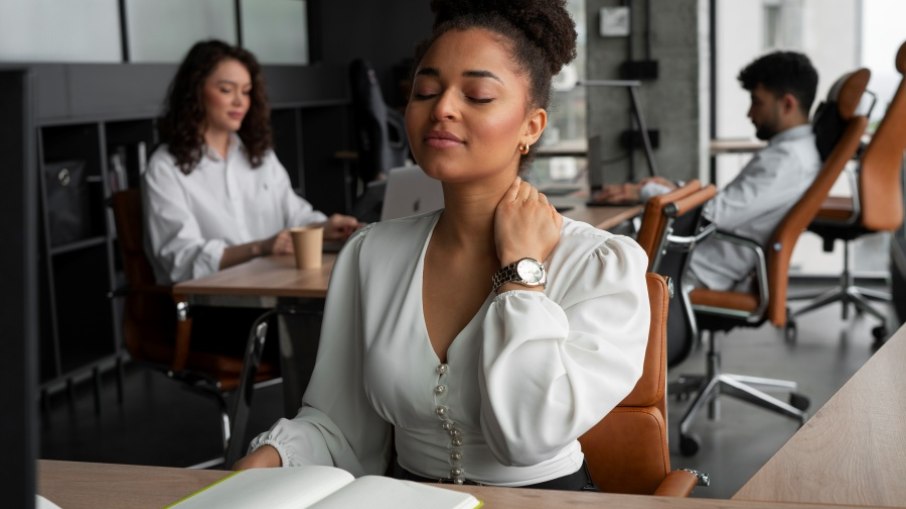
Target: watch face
[530,271]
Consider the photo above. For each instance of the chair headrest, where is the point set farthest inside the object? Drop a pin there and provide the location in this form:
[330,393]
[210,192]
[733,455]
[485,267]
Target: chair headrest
[847,92]
[901,59]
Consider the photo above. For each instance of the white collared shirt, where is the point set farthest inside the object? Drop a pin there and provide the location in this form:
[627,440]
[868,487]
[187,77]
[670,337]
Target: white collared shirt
[530,373]
[753,204]
[190,219]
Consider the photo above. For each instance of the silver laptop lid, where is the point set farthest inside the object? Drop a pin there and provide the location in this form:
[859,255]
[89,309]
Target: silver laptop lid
[410,191]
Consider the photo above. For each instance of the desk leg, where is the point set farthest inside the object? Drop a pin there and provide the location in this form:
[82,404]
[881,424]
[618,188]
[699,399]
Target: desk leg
[299,328]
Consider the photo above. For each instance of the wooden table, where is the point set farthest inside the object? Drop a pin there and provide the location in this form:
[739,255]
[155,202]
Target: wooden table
[266,277]
[271,282]
[74,485]
[604,217]
[853,450]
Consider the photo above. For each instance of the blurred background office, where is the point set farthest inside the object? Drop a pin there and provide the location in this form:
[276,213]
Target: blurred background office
[100,70]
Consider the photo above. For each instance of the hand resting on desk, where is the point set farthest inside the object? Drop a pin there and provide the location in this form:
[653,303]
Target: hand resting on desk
[630,193]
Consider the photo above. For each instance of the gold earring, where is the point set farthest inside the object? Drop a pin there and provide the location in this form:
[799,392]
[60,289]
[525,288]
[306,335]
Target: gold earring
[524,148]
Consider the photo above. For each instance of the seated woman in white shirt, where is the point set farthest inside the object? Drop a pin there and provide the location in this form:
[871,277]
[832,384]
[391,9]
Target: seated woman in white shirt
[215,194]
[477,342]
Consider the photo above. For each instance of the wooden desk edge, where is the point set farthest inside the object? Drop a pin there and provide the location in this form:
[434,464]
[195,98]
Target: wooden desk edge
[78,485]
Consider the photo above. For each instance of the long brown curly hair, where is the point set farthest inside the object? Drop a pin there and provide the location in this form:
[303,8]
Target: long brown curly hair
[542,34]
[182,126]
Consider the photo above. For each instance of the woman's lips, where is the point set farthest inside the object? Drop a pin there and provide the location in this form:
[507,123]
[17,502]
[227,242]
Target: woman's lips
[442,139]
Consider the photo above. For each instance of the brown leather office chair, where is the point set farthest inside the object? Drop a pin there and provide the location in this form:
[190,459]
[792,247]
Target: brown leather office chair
[627,451]
[724,310]
[876,206]
[158,332]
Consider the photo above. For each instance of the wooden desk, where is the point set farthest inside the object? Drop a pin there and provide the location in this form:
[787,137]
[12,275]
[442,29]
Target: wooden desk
[271,282]
[99,486]
[605,218]
[269,276]
[853,451]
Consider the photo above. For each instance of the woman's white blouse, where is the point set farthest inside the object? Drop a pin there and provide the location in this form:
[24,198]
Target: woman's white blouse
[190,219]
[523,380]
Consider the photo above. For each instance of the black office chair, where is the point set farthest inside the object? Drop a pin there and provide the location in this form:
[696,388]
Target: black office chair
[876,206]
[379,131]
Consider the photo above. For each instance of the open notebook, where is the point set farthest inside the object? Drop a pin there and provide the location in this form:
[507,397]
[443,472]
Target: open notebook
[320,487]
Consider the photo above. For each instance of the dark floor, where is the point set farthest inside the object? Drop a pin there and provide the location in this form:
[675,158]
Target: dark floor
[162,423]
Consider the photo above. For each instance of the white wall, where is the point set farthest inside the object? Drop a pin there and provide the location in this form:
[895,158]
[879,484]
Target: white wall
[59,30]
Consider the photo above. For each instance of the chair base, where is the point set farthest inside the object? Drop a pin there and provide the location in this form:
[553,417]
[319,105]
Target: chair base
[847,293]
[708,388]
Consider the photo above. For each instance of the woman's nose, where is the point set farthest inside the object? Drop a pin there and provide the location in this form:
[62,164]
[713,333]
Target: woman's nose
[445,107]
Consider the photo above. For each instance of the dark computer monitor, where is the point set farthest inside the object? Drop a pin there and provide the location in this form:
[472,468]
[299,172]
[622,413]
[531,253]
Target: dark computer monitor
[18,290]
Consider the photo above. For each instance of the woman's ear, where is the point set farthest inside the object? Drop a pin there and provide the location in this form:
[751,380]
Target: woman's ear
[535,123]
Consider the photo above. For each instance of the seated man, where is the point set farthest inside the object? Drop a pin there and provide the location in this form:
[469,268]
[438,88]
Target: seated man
[782,87]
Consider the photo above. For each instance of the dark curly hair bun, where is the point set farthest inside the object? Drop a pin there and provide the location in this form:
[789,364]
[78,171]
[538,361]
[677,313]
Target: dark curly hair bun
[545,23]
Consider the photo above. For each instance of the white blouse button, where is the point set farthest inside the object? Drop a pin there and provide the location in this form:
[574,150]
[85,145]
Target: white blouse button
[441,411]
[440,389]
[456,455]
[447,425]
[456,472]
[442,369]
[457,441]
[455,433]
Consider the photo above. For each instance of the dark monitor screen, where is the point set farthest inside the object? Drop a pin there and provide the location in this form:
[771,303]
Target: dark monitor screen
[18,291]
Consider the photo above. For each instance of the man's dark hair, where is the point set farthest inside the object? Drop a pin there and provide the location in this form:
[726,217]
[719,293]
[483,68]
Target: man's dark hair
[783,72]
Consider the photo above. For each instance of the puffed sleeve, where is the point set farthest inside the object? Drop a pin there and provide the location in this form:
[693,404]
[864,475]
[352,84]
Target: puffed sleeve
[296,210]
[177,246]
[553,364]
[337,425]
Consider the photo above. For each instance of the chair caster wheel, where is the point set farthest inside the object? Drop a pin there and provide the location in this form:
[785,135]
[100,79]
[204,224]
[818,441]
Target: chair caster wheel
[790,331]
[880,334]
[799,401]
[688,445]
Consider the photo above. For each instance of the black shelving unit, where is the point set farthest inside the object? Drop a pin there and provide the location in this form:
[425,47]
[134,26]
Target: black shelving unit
[96,125]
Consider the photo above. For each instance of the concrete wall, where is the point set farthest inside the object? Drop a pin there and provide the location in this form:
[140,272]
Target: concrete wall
[672,104]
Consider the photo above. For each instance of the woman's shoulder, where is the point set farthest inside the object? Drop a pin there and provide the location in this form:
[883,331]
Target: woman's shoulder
[161,160]
[582,239]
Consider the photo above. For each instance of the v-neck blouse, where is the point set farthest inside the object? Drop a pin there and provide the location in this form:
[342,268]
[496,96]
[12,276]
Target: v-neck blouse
[529,374]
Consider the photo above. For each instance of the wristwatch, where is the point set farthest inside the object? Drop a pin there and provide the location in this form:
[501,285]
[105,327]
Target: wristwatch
[526,272]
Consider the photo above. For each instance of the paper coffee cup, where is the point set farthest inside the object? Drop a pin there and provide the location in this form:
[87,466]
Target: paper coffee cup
[307,244]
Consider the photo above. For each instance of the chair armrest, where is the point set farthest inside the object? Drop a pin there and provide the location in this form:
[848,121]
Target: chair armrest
[761,268]
[686,243]
[680,483]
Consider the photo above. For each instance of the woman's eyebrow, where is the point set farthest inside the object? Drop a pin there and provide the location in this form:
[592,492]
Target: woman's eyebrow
[481,74]
[433,72]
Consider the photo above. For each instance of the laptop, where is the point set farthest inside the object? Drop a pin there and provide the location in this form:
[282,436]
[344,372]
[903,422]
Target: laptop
[409,191]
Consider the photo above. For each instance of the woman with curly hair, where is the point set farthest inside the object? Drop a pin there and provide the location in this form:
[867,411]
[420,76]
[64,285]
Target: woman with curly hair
[477,343]
[215,194]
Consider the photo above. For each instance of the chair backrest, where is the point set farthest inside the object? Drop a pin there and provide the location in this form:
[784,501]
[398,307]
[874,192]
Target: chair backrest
[880,187]
[848,92]
[676,214]
[627,451]
[149,321]
[380,134]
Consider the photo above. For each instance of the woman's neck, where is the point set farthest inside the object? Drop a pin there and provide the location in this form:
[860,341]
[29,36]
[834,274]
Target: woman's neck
[467,222]
[218,140]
